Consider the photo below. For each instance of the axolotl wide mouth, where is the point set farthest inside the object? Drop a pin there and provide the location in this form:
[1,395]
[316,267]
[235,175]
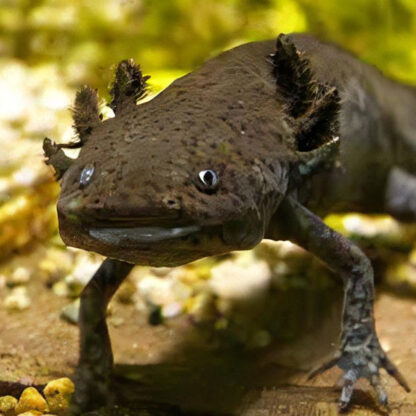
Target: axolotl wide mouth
[150,245]
[155,240]
[141,235]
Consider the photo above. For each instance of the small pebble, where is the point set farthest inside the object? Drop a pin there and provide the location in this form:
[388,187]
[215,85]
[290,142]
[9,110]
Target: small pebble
[31,413]
[202,307]
[163,291]
[18,299]
[31,400]
[58,393]
[60,289]
[20,276]
[240,278]
[171,310]
[74,286]
[7,404]
[70,312]
[26,380]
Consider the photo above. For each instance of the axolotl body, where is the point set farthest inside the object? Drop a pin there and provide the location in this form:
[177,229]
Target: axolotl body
[260,142]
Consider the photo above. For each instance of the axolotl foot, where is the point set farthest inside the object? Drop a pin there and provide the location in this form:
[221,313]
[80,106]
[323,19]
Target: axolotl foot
[362,361]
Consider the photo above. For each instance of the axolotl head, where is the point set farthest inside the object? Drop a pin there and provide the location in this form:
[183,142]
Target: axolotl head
[198,170]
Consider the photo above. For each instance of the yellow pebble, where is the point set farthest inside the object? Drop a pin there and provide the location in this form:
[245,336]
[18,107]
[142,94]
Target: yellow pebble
[31,400]
[7,404]
[201,307]
[58,393]
[31,413]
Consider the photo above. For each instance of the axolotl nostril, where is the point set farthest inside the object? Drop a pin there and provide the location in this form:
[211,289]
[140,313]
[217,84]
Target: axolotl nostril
[260,142]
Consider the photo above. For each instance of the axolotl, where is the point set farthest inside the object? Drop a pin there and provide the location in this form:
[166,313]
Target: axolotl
[261,141]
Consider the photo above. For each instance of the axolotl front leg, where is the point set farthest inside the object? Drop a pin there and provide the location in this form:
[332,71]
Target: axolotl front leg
[95,365]
[360,353]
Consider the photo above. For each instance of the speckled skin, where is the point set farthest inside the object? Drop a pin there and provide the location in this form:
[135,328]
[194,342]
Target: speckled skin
[233,116]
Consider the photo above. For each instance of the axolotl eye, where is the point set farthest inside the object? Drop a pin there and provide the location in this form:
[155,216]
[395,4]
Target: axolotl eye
[86,175]
[208,180]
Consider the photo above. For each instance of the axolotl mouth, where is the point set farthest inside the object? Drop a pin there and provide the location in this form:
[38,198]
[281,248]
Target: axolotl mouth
[170,244]
[133,236]
[154,237]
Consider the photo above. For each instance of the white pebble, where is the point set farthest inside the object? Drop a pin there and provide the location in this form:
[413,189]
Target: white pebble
[18,299]
[171,310]
[20,275]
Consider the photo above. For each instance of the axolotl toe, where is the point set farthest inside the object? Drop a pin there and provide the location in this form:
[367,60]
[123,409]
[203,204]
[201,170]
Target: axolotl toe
[260,142]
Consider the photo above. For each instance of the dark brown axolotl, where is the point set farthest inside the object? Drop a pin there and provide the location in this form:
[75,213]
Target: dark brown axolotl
[260,142]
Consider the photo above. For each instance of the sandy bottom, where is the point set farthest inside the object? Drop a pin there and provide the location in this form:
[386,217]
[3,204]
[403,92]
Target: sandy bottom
[179,369]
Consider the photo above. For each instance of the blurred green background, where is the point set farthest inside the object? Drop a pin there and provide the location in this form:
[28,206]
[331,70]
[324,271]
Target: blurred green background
[84,38]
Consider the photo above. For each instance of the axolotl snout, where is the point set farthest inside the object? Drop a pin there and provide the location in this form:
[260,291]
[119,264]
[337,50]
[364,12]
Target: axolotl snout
[260,142]
[186,176]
